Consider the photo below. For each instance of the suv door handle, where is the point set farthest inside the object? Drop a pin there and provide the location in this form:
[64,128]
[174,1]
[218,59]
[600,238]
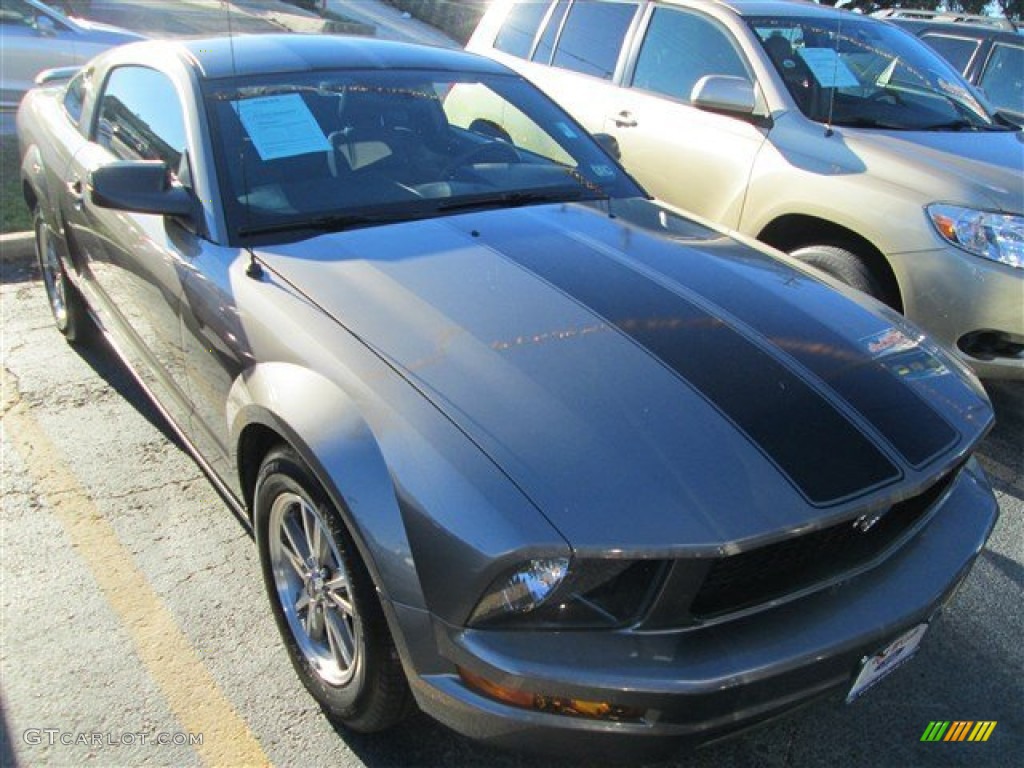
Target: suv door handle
[624,119]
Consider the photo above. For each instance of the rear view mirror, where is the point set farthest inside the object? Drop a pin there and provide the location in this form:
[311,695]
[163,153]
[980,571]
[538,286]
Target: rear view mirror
[609,144]
[45,26]
[724,94]
[141,187]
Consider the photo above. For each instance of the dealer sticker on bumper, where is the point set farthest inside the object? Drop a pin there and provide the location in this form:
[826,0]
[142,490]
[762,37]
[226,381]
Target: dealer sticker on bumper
[894,655]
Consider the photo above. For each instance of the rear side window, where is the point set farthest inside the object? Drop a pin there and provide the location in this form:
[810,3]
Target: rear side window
[956,50]
[679,49]
[74,96]
[516,35]
[592,37]
[141,117]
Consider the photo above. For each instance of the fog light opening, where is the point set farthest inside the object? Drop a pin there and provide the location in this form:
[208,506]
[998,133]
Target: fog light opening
[558,705]
[991,345]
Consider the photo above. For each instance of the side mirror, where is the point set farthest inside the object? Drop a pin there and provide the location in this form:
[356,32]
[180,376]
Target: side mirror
[609,144]
[45,26]
[140,187]
[725,94]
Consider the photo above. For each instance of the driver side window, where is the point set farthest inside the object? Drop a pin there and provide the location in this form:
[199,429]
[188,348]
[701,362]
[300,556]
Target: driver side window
[679,49]
[141,118]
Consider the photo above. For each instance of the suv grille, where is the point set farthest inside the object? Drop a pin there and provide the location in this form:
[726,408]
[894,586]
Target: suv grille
[739,581]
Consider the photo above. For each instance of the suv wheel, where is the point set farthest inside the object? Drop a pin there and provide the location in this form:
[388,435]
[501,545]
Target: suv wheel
[843,265]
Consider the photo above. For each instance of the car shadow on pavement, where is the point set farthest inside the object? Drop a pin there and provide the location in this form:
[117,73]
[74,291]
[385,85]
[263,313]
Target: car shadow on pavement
[7,758]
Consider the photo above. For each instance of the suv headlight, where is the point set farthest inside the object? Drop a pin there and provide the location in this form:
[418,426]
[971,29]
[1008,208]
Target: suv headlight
[551,593]
[994,236]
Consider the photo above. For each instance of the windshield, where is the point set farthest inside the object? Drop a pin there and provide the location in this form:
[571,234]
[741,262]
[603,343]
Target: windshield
[848,71]
[317,151]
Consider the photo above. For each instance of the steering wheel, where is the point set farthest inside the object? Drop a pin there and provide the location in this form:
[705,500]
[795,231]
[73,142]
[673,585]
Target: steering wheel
[500,153]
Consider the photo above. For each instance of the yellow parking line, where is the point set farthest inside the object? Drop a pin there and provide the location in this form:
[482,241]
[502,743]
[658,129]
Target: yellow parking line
[165,652]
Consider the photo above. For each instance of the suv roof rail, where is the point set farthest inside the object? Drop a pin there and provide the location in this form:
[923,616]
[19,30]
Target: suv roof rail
[999,22]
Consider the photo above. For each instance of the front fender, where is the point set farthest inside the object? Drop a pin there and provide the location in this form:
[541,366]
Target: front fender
[320,421]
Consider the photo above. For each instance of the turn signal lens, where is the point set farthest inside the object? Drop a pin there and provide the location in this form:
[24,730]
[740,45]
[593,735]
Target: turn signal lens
[559,705]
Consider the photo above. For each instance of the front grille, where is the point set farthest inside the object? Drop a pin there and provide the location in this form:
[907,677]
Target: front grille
[740,581]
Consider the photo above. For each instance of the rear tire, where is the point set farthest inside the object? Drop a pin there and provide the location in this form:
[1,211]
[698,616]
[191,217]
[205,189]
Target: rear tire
[843,265]
[70,314]
[324,600]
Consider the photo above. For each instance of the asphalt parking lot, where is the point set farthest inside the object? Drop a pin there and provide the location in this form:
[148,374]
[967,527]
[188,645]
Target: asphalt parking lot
[134,629]
[133,613]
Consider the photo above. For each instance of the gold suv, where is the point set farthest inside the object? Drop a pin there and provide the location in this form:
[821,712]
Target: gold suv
[839,139]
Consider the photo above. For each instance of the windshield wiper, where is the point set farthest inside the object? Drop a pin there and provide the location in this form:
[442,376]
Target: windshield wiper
[519,198]
[332,223]
[963,125]
[869,122]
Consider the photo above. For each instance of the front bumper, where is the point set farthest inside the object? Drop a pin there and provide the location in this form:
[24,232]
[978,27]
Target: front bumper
[968,303]
[695,685]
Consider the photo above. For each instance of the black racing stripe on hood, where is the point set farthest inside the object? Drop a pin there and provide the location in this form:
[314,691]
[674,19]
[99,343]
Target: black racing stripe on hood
[824,455]
[912,426]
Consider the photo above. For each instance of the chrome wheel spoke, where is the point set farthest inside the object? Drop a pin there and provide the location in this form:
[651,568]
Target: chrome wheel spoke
[302,603]
[294,543]
[340,638]
[311,528]
[315,623]
[337,591]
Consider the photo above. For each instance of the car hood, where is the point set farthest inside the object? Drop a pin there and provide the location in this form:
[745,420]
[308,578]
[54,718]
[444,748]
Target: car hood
[649,384]
[986,166]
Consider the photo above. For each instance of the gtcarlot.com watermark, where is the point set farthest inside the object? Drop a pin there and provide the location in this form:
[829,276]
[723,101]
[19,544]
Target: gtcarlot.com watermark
[52,737]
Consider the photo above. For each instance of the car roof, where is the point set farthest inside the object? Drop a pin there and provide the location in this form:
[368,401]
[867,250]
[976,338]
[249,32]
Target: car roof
[971,31]
[215,58]
[777,8]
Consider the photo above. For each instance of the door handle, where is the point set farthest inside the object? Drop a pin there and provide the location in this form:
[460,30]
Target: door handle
[77,193]
[624,119]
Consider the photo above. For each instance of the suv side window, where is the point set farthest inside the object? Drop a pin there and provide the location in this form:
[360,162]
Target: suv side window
[141,117]
[546,44]
[1003,78]
[679,49]
[520,27]
[956,50]
[592,37]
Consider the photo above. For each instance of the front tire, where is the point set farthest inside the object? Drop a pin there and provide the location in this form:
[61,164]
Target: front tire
[324,600]
[844,265]
[70,314]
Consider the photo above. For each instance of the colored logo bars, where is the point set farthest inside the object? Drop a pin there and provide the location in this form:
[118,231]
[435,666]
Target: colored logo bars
[958,730]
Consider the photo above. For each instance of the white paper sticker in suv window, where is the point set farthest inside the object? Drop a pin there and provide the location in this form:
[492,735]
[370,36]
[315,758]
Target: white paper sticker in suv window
[281,126]
[828,69]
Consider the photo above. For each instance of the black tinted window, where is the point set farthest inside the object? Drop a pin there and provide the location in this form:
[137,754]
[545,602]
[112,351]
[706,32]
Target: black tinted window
[546,44]
[592,36]
[74,96]
[679,49]
[516,34]
[956,50]
[141,117]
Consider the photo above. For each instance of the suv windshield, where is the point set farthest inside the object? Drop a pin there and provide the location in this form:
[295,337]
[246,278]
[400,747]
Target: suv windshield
[316,151]
[858,72]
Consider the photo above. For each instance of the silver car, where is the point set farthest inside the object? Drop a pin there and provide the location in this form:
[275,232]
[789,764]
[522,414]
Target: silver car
[37,37]
[519,445]
[838,139]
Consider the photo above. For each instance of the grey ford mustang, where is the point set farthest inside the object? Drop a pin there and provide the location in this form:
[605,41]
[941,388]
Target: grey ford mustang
[554,462]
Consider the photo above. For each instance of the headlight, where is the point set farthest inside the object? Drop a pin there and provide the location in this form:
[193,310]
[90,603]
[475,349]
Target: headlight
[994,236]
[591,593]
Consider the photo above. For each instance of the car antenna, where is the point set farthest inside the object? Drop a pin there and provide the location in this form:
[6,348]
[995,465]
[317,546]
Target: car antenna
[255,269]
[835,74]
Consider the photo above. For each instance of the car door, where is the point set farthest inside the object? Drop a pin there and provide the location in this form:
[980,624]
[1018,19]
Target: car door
[134,262]
[1002,79]
[695,159]
[33,40]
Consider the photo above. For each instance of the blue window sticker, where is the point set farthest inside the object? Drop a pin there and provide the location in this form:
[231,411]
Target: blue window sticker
[281,126]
